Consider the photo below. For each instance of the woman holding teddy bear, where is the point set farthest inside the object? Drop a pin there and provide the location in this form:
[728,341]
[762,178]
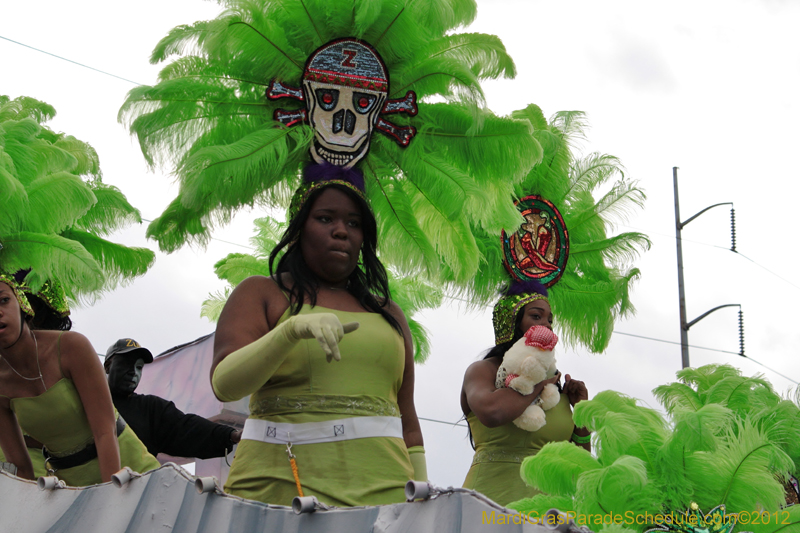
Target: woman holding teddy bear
[500,446]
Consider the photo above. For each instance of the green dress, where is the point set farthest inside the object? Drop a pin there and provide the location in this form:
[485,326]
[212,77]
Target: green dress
[306,388]
[37,459]
[57,419]
[499,453]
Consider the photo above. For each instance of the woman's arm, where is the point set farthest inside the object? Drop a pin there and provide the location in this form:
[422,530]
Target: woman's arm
[244,318]
[412,433]
[494,407]
[248,350]
[12,443]
[80,363]
[576,391]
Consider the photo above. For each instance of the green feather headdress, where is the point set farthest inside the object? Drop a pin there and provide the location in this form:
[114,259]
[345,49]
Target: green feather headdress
[56,209]
[729,440]
[592,289]
[209,118]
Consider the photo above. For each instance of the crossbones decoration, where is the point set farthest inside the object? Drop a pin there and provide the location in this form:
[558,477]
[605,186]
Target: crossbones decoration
[345,89]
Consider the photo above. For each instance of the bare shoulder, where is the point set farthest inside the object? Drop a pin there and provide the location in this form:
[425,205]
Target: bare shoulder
[393,309]
[75,350]
[256,287]
[252,310]
[256,294]
[67,342]
[481,369]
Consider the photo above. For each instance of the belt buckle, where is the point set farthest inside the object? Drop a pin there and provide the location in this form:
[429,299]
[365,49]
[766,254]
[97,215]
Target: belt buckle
[47,456]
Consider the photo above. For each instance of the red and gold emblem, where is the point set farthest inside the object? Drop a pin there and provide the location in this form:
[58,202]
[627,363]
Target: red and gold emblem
[539,249]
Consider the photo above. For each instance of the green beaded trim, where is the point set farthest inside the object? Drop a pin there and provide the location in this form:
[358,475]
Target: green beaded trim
[504,316]
[304,191]
[500,455]
[333,404]
[18,292]
[578,439]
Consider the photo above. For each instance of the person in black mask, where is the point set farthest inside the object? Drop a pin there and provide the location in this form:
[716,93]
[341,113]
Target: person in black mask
[159,424]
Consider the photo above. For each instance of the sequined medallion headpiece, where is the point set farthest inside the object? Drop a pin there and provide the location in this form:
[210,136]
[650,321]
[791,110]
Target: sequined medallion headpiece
[345,90]
[540,248]
[18,292]
[504,316]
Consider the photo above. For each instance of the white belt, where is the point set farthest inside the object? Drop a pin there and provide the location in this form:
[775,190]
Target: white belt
[360,427]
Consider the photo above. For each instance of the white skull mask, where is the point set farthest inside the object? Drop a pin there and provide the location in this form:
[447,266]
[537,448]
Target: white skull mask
[345,86]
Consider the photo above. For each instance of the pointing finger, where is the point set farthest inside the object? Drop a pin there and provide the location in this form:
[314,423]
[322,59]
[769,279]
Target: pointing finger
[350,326]
[331,341]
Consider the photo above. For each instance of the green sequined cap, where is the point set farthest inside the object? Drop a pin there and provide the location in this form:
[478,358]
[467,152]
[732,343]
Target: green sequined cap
[53,295]
[18,292]
[504,316]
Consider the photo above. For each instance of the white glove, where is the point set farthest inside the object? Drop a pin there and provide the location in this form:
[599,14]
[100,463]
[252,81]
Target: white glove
[326,328]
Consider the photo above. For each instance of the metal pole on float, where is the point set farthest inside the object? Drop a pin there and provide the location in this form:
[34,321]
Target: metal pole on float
[685,324]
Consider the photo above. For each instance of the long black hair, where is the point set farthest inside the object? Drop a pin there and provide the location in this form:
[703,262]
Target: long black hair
[44,317]
[368,282]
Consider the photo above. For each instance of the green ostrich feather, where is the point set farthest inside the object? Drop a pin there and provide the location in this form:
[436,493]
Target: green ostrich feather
[208,119]
[56,209]
[594,290]
[727,440]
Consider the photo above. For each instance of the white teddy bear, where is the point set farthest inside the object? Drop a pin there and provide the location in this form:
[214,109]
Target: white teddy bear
[529,361]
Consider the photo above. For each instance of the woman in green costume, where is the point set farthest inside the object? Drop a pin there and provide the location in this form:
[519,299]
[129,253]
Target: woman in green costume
[500,446]
[52,387]
[327,357]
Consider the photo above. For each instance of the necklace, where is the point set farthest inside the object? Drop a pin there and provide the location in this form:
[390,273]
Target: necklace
[330,287]
[38,366]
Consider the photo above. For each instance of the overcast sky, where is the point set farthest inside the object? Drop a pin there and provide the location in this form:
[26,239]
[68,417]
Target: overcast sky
[707,86]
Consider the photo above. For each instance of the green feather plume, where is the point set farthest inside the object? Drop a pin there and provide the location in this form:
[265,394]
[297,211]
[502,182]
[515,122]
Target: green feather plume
[536,506]
[56,207]
[742,473]
[787,520]
[51,256]
[619,488]
[119,263]
[557,467]
[594,290]
[57,189]
[728,440]
[111,212]
[25,107]
[212,306]
[208,120]
[237,267]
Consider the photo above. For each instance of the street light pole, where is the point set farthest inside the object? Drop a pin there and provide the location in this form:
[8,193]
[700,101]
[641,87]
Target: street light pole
[685,324]
[681,290]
